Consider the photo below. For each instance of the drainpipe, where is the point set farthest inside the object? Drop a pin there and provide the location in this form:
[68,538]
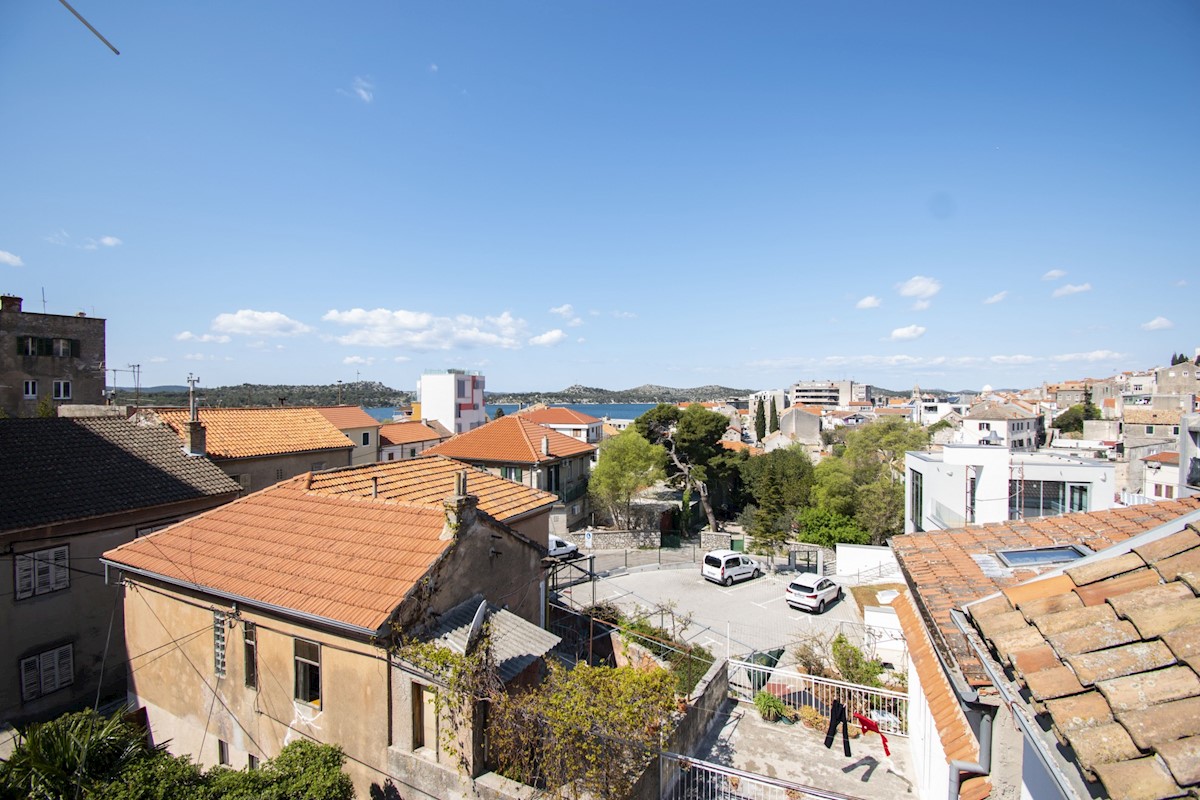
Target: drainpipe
[970,698]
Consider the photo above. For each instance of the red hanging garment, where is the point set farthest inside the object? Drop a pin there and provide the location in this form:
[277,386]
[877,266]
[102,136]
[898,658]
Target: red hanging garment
[872,726]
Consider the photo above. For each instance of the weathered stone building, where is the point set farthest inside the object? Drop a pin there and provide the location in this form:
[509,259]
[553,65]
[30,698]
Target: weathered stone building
[48,357]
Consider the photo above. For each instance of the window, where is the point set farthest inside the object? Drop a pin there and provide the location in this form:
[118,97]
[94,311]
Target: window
[219,645]
[317,466]
[61,348]
[391,456]
[512,473]
[308,672]
[424,713]
[366,439]
[985,426]
[1175,431]
[250,653]
[27,346]
[1042,556]
[30,390]
[223,752]
[62,390]
[1149,429]
[1158,490]
[1170,492]
[412,452]
[243,480]
[42,571]
[149,529]
[251,762]
[47,672]
[916,485]
[1031,499]
[278,474]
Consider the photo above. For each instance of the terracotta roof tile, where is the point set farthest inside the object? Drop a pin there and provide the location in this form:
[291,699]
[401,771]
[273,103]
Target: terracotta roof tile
[1168,546]
[1105,568]
[249,432]
[556,415]
[1138,691]
[1116,662]
[1094,637]
[1164,458]
[344,559]
[1159,724]
[1053,683]
[429,481]
[1140,779]
[1052,604]
[1035,590]
[1102,744]
[398,433]
[346,417]
[1156,621]
[1051,624]
[512,439]
[1112,588]
[1081,710]
[1183,759]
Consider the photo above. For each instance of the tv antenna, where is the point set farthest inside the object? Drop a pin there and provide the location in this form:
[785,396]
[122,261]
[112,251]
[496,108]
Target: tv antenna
[99,36]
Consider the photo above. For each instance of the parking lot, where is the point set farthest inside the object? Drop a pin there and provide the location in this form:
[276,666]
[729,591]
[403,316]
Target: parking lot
[729,621]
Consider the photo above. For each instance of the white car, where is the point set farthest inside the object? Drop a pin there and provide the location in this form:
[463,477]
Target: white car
[727,566]
[561,548]
[811,591]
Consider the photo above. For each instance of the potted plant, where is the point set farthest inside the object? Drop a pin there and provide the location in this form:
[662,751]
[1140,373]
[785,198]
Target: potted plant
[769,706]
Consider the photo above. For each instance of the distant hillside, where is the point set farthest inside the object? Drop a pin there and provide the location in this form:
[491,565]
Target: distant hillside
[360,393]
[648,393]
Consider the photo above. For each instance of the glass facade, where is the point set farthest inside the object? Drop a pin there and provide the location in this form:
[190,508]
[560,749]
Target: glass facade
[1032,499]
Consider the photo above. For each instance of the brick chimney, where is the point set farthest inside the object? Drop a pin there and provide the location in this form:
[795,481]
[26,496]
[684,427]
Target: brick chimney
[194,438]
[545,445]
[460,508]
[10,302]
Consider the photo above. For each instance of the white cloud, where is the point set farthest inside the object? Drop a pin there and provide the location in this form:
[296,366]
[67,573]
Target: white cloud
[581,340]
[1095,355]
[110,241]
[199,357]
[1054,275]
[920,305]
[433,68]
[575,322]
[401,359]
[10,259]
[258,323]
[1181,283]
[362,88]
[549,338]
[907,333]
[1071,288]
[1158,324]
[61,238]
[359,360]
[1011,360]
[997,297]
[564,311]
[900,361]
[870,301]
[624,314]
[188,336]
[419,330]
[157,359]
[920,287]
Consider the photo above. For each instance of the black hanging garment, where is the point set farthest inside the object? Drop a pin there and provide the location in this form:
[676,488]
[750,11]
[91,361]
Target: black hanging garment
[837,717]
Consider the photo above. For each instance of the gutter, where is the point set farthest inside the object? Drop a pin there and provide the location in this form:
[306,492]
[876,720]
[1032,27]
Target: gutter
[969,698]
[1016,705]
[246,601]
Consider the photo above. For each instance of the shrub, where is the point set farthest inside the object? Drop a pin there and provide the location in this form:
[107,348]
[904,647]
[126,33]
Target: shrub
[853,665]
[769,706]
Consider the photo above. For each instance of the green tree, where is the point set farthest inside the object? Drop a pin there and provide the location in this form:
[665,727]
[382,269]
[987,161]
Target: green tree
[879,509]
[589,729]
[773,425]
[760,422]
[789,468]
[877,448]
[833,487]
[692,441]
[1071,420]
[628,464]
[853,665]
[827,529]
[685,511]
[499,413]
[45,408]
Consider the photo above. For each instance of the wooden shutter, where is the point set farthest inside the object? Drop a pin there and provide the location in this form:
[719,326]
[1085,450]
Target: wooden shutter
[42,571]
[75,348]
[45,347]
[65,662]
[49,664]
[60,575]
[24,576]
[31,681]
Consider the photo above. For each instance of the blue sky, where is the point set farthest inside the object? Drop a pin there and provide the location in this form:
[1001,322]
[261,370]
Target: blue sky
[609,193]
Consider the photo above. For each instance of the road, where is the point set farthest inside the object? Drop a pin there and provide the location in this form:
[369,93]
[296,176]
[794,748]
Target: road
[747,616]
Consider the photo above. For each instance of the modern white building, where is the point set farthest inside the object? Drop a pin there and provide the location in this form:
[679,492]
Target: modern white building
[967,484]
[838,394]
[453,397]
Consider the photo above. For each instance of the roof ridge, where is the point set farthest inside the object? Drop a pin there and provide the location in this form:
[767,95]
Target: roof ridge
[521,422]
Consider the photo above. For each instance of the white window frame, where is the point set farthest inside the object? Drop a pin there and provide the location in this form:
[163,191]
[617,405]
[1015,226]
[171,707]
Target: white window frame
[61,348]
[366,439]
[62,390]
[30,390]
[42,571]
[47,672]
[303,675]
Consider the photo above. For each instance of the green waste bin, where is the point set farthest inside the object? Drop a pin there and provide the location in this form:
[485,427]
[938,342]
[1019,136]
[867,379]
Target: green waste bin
[737,544]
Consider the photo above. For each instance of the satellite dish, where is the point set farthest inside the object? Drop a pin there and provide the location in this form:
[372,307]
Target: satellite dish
[476,625]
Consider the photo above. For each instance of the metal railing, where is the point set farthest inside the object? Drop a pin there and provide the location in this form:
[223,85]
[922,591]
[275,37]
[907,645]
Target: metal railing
[691,779]
[887,708]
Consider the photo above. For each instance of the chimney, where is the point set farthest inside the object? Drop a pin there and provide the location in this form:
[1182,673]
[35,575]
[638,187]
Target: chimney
[460,508]
[10,302]
[545,445]
[194,438]
[374,486]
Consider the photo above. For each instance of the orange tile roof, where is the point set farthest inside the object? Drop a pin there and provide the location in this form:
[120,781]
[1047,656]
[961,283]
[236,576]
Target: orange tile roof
[248,432]
[429,481]
[1151,416]
[816,410]
[1164,458]
[944,570]
[557,415]
[513,439]
[396,433]
[340,558]
[1108,652]
[958,741]
[343,417]
[737,446]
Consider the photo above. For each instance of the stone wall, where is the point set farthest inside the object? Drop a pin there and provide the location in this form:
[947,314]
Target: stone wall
[709,699]
[714,541]
[620,540]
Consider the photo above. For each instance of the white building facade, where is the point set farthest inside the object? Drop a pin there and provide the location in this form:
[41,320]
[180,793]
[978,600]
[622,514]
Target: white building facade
[966,484]
[453,397]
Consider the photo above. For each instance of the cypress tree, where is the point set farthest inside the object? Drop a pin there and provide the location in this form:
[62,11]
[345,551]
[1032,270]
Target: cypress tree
[760,422]
[774,425]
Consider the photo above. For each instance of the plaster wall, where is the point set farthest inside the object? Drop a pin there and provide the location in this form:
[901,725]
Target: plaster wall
[932,772]
[259,473]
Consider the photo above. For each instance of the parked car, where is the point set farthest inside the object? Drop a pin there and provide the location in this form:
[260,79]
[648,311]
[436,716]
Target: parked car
[727,566]
[561,548]
[812,592]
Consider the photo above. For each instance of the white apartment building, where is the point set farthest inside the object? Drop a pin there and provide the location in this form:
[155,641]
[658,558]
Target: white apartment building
[453,397]
[967,484]
[838,394]
[1001,424]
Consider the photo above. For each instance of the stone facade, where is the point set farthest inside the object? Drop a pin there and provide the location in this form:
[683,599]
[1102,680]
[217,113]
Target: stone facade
[623,540]
[48,357]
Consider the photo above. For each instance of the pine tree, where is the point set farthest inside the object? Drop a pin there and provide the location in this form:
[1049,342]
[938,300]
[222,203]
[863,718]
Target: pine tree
[760,422]
[774,424]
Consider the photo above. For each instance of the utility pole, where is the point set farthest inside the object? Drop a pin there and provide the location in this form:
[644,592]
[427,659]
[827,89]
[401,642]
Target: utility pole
[339,384]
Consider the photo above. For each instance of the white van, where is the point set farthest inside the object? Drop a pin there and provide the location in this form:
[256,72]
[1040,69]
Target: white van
[726,566]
